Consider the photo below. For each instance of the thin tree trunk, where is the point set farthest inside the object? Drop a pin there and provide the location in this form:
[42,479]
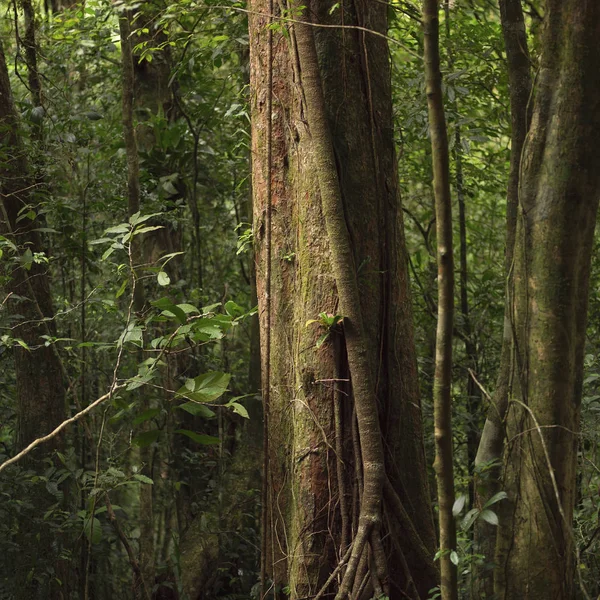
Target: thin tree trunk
[442,386]
[559,190]
[491,444]
[146,539]
[29,41]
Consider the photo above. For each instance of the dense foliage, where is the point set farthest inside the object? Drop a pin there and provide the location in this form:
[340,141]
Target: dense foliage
[183,412]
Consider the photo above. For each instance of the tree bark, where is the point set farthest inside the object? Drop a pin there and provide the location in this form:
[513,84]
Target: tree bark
[146,509]
[491,444]
[558,200]
[40,386]
[442,383]
[348,156]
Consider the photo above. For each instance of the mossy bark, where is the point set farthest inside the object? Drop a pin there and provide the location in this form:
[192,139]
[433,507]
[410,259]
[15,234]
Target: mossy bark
[305,525]
[558,201]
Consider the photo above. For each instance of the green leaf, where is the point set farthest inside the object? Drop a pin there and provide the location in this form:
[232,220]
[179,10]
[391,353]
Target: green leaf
[188,309]
[93,115]
[198,410]
[233,309]
[146,438]
[136,219]
[37,114]
[322,339]
[459,504]
[93,530]
[139,380]
[470,519]
[27,259]
[143,479]
[121,290]
[200,438]
[208,329]
[103,240]
[108,252]
[490,517]
[117,229]
[135,335]
[170,310]
[495,498]
[163,279]
[454,557]
[205,388]
[238,409]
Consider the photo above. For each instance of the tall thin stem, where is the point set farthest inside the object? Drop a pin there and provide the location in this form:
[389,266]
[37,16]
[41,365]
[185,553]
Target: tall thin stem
[442,398]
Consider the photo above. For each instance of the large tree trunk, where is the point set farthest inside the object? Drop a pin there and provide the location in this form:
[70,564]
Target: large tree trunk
[315,468]
[40,386]
[558,201]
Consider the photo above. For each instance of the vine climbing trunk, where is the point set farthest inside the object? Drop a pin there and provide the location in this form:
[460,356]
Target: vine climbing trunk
[345,514]
[344,273]
[558,194]
[442,384]
[146,510]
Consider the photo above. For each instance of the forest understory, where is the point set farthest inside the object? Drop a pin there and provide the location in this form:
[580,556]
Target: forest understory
[298,300]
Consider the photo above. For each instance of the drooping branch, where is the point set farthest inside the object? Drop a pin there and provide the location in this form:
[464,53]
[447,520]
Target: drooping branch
[442,398]
[57,431]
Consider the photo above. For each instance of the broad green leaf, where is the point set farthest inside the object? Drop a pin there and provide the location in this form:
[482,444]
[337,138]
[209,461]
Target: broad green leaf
[121,290]
[205,388]
[135,335]
[238,409]
[103,240]
[141,230]
[93,530]
[140,380]
[136,219]
[163,279]
[495,498]
[489,516]
[117,229]
[470,519]
[188,308]
[322,339]
[143,479]
[459,504]
[454,557]
[27,259]
[170,310]
[233,309]
[198,410]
